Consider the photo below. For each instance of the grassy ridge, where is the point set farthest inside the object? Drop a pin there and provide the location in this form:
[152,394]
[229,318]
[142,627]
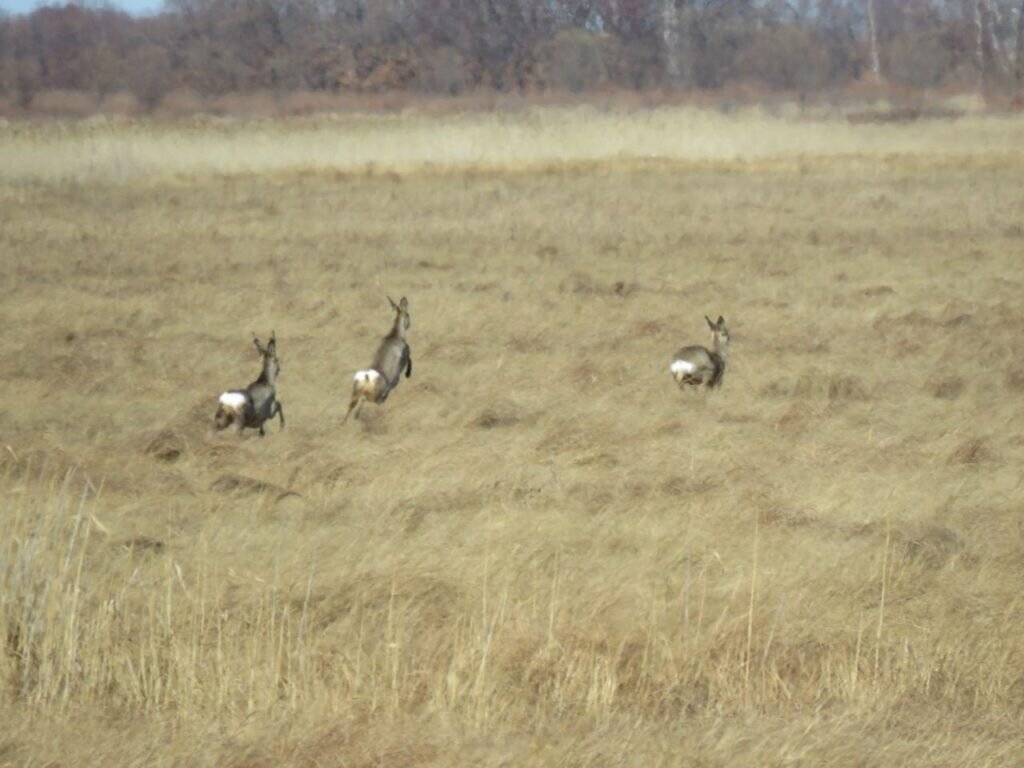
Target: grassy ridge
[539,551]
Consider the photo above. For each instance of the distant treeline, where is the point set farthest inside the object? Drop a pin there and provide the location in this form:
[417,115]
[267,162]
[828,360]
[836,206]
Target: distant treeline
[216,47]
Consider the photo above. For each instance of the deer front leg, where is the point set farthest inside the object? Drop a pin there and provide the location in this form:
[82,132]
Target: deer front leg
[355,401]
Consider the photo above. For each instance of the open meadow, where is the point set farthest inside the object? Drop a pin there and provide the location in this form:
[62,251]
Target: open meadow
[539,551]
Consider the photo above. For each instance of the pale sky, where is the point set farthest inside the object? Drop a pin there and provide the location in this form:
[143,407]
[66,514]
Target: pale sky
[132,6]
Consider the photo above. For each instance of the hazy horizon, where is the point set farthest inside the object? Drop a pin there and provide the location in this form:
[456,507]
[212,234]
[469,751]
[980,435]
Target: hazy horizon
[136,7]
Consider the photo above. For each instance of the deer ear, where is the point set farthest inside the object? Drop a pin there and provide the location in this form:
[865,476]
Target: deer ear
[710,324]
[272,346]
[721,322]
[392,303]
[404,304]
[256,341]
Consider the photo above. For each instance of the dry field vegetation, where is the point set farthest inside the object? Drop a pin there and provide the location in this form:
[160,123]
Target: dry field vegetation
[539,552]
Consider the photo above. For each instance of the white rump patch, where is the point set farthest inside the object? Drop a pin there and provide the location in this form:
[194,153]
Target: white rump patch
[682,367]
[370,376]
[233,400]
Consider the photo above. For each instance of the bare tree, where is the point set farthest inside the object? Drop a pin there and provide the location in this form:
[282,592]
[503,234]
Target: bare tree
[991,20]
[876,67]
[670,39]
[979,45]
[1019,51]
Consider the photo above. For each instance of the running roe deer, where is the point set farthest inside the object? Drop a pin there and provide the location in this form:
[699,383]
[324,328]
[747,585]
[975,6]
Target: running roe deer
[692,365]
[393,356]
[252,406]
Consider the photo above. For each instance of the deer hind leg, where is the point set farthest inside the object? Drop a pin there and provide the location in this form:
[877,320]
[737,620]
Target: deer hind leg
[279,410]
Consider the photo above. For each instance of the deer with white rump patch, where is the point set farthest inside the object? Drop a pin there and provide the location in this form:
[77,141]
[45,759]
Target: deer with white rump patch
[392,358]
[696,365]
[254,405]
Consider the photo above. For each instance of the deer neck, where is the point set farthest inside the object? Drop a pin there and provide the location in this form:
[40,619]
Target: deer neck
[720,346]
[398,329]
[269,373]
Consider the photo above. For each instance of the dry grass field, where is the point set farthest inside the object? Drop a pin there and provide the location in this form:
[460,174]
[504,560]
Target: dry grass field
[538,552]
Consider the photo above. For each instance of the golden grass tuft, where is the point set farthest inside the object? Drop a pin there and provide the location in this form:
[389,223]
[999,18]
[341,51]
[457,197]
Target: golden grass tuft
[539,551]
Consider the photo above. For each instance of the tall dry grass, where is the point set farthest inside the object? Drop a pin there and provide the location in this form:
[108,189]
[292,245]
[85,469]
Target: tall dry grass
[105,150]
[538,552]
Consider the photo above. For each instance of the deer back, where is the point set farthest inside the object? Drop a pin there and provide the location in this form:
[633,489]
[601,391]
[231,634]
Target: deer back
[262,392]
[391,359]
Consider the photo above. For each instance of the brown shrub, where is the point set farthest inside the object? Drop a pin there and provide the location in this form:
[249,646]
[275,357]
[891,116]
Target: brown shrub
[245,486]
[309,103]
[798,416]
[929,545]
[834,387]
[949,389]
[846,388]
[877,290]
[63,104]
[583,284]
[974,451]
[181,102]
[902,115]
[499,414]
[443,70]
[138,544]
[1015,380]
[167,446]
[8,107]
[121,104]
[253,104]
